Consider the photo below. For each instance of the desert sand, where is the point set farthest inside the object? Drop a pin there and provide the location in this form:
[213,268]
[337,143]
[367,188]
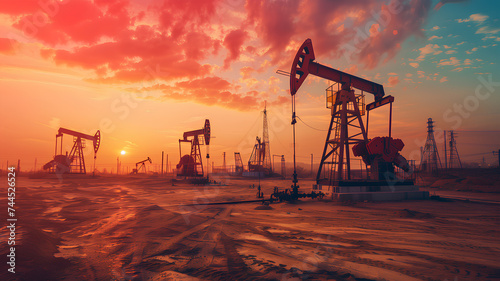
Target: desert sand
[145,228]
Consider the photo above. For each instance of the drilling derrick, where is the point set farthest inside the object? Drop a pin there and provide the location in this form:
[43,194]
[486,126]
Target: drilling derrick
[430,161]
[260,160]
[191,165]
[267,149]
[74,162]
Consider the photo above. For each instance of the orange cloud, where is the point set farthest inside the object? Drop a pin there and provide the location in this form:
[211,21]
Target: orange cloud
[246,71]
[212,91]
[393,81]
[7,45]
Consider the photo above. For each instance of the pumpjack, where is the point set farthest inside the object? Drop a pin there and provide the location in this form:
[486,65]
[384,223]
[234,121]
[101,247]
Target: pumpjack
[74,162]
[191,165]
[141,165]
[347,131]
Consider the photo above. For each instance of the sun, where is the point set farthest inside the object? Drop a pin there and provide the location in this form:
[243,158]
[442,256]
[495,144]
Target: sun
[123,152]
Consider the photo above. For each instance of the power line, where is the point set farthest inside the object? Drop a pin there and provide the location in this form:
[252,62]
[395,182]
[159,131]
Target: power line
[475,144]
[477,154]
[310,126]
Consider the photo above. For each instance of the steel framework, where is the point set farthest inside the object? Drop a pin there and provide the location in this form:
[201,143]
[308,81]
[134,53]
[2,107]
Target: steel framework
[430,161]
[454,157]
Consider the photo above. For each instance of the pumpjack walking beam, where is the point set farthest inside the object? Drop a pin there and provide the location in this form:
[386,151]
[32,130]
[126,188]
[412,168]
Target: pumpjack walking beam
[304,64]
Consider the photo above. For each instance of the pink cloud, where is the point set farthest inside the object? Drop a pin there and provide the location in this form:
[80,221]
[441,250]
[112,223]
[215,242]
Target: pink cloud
[393,81]
[125,41]
[246,71]
[19,8]
[213,91]
[233,42]
[274,22]
[442,2]
[74,21]
[179,17]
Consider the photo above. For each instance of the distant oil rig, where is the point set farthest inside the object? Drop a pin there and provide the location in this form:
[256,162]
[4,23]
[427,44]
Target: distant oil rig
[260,159]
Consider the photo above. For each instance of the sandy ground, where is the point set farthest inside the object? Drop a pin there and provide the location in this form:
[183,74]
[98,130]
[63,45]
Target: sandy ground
[469,180]
[142,229]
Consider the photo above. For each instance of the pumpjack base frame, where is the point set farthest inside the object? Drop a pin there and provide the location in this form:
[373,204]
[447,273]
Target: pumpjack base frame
[372,191]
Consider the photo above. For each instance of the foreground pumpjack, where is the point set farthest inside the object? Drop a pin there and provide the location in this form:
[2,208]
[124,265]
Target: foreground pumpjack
[347,131]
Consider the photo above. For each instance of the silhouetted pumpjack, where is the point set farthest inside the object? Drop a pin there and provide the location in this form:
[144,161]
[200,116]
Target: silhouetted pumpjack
[380,153]
[191,165]
[74,162]
[142,166]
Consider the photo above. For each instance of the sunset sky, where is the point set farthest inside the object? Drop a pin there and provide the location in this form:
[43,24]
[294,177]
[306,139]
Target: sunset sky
[143,72]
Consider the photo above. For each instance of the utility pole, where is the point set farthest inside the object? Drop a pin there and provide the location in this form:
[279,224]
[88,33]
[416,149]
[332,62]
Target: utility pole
[224,162]
[282,163]
[311,164]
[445,154]
[283,170]
[453,151]
[162,154]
